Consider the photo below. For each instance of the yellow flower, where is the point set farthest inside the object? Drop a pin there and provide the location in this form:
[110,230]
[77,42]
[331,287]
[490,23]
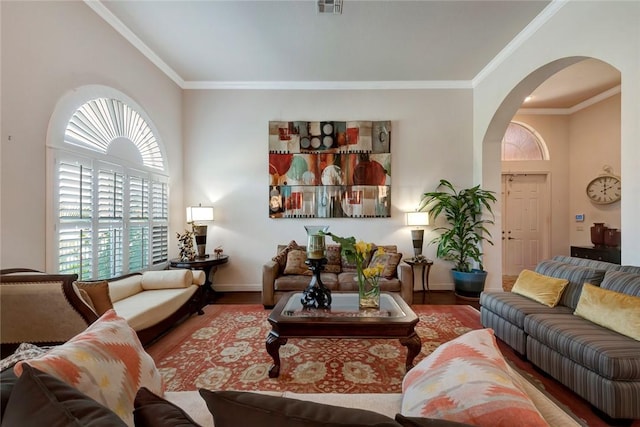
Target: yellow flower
[369,272]
[379,269]
[363,248]
[380,251]
[373,272]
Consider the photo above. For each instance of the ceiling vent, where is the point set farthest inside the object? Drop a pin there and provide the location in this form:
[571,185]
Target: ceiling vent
[330,6]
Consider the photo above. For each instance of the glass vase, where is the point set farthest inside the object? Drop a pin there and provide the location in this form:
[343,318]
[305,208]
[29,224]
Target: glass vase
[368,293]
[315,241]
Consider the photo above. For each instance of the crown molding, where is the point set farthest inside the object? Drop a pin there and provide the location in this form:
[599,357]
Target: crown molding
[528,31]
[568,111]
[544,111]
[598,98]
[330,85]
[118,25]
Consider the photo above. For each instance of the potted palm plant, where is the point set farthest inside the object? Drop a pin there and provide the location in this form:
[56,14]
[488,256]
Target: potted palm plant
[460,239]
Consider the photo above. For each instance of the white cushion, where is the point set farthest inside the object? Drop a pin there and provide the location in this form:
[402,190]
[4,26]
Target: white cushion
[123,288]
[167,279]
[150,307]
[199,277]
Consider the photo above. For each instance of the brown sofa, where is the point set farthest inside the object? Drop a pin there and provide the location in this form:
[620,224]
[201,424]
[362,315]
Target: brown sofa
[339,276]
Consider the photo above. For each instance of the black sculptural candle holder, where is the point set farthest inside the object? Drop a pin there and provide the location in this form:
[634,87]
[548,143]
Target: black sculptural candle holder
[316,295]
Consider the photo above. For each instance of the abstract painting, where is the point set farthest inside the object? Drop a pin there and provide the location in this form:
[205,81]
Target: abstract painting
[330,169]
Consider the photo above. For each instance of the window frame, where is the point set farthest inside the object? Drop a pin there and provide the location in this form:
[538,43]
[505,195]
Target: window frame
[156,256]
[540,142]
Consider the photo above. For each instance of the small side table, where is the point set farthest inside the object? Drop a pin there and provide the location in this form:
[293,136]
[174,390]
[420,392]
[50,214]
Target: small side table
[426,269]
[208,265]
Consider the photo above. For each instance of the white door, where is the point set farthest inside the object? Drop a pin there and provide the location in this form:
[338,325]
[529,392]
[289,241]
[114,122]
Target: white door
[525,202]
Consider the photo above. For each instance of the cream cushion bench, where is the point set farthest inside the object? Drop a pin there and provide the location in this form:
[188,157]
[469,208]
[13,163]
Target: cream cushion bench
[152,301]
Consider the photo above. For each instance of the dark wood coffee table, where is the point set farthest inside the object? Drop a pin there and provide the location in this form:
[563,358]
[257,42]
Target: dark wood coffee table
[394,319]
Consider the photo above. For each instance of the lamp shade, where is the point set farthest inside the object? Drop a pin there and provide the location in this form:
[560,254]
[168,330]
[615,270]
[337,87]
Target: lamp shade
[417,218]
[199,213]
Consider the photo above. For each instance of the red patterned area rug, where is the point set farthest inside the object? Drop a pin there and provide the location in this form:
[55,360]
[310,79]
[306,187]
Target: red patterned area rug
[225,349]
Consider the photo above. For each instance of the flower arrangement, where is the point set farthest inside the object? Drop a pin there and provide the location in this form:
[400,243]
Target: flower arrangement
[368,277]
[372,274]
[185,246]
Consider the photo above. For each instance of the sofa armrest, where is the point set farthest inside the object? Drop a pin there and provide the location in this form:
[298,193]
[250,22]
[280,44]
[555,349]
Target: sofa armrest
[270,272]
[405,275]
[41,308]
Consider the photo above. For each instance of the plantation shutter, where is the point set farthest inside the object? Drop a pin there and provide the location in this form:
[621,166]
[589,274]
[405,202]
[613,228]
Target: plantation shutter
[75,212]
[160,222]
[110,250]
[138,223]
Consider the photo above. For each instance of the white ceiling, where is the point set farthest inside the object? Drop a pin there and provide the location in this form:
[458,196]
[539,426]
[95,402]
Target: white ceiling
[390,43]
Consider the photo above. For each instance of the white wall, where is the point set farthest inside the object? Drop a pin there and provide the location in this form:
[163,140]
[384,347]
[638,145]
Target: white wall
[613,36]
[595,141]
[48,49]
[226,151]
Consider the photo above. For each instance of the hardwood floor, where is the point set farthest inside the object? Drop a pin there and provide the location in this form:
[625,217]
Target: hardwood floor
[419,297]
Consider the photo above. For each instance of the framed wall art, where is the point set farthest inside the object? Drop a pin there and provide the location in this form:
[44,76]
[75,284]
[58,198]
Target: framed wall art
[330,169]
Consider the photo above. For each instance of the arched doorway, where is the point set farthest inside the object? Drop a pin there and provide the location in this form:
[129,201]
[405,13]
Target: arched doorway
[566,186]
[525,199]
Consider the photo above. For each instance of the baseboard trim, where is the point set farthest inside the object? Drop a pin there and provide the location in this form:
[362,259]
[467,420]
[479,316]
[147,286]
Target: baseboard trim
[436,287]
[258,288]
[237,288]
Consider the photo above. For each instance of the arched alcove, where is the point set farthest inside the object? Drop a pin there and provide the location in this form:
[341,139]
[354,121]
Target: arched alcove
[491,140]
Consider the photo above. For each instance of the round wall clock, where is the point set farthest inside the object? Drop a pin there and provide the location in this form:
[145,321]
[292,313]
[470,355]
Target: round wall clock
[604,189]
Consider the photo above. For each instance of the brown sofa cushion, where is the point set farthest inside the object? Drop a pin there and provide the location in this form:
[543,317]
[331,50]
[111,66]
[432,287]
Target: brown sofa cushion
[152,410]
[281,257]
[334,259]
[233,408]
[295,263]
[389,261]
[99,294]
[38,398]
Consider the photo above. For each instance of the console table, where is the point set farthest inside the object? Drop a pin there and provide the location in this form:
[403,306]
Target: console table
[209,265]
[597,253]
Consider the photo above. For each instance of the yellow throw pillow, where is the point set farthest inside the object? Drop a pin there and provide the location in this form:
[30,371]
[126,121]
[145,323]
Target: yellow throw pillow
[613,310]
[538,287]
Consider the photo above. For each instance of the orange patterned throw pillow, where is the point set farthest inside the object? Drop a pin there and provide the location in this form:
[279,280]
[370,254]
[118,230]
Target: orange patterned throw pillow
[467,380]
[106,362]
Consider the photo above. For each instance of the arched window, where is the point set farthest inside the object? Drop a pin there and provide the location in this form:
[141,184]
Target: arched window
[522,142]
[110,197]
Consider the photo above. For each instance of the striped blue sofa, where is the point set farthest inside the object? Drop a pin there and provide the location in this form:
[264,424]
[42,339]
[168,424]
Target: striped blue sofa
[599,364]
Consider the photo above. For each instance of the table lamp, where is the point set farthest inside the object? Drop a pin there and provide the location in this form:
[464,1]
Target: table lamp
[195,216]
[417,219]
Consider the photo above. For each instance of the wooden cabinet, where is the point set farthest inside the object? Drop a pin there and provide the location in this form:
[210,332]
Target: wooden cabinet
[597,253]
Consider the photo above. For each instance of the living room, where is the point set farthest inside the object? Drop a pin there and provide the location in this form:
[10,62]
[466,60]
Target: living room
[429,142]
[214,134]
